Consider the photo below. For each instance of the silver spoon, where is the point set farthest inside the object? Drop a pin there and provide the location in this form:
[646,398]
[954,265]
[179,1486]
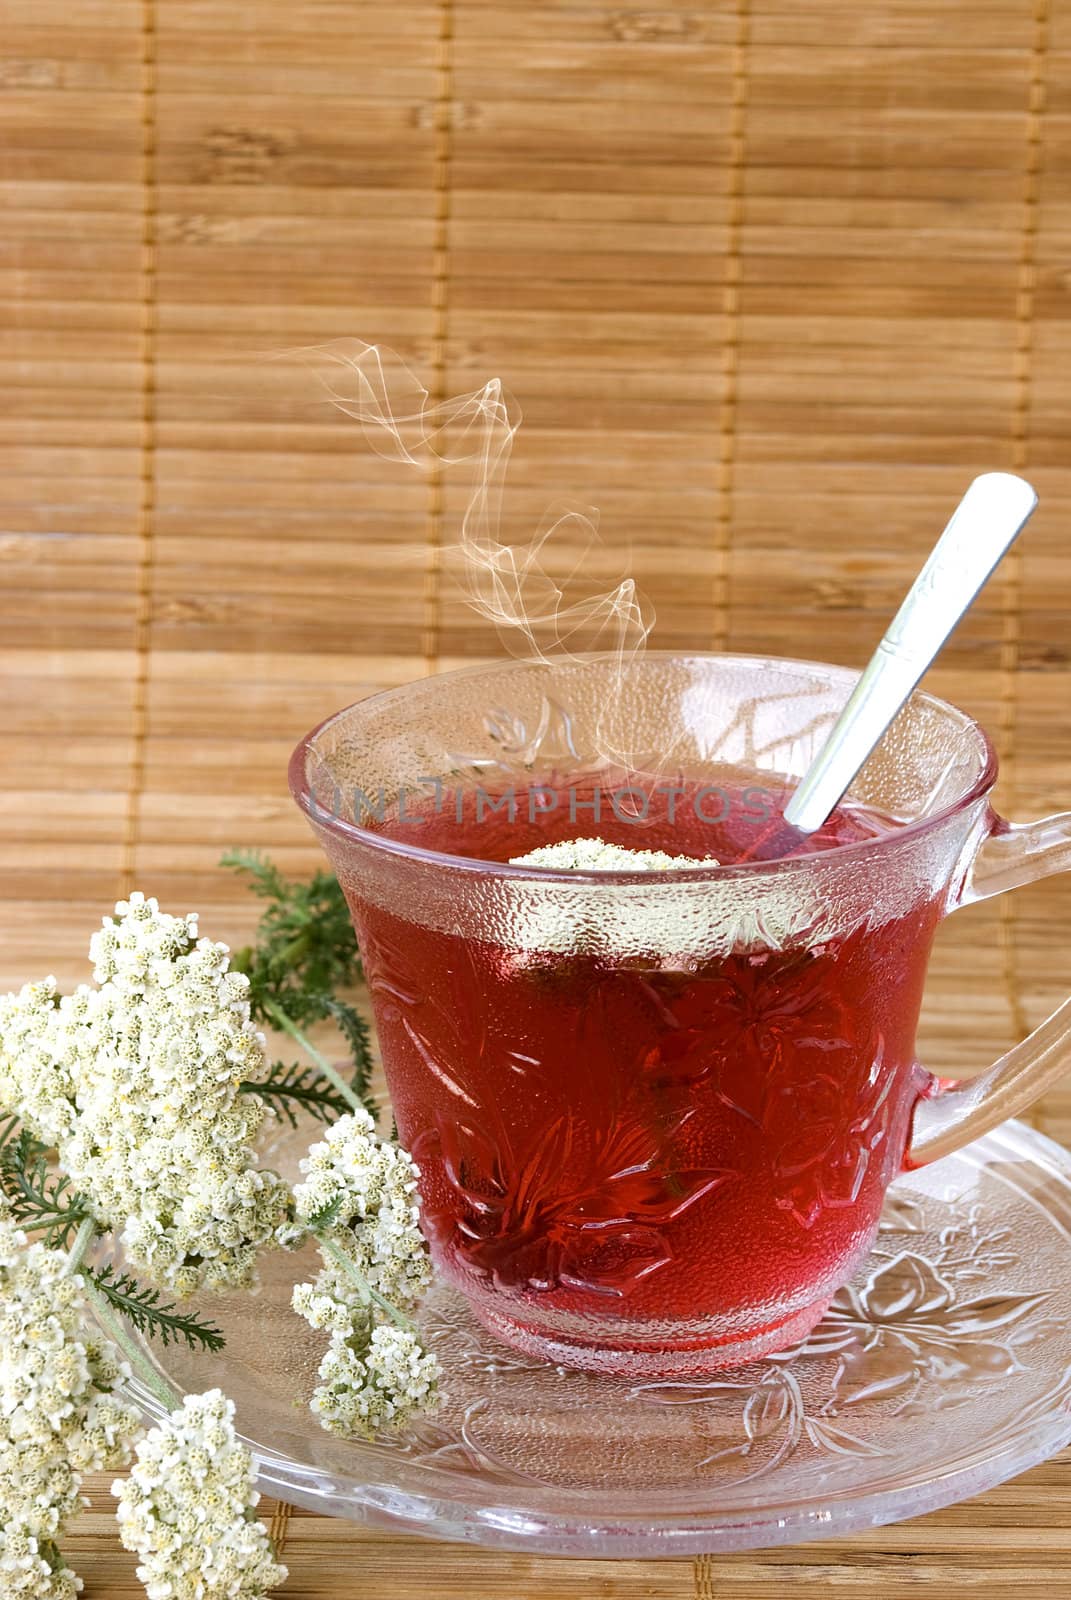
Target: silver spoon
[983,528]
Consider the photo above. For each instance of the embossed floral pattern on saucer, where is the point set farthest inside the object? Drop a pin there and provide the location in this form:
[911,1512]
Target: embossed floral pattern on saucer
[943,1368]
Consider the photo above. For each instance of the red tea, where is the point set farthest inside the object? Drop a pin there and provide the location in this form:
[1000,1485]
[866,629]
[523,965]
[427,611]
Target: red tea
[642,1139]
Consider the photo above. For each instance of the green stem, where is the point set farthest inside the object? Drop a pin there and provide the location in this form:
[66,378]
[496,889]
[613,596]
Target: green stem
[113,1325]
[87,1232]
[353,1271]
[168,1397]
[279,1015]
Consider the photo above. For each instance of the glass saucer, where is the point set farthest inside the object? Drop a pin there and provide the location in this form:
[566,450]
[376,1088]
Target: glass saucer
[944,1368]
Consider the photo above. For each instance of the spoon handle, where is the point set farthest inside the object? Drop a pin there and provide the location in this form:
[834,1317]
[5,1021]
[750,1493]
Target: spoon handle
[983,527]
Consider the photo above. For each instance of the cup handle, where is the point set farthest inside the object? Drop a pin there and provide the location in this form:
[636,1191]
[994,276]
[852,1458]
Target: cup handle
[950,1116]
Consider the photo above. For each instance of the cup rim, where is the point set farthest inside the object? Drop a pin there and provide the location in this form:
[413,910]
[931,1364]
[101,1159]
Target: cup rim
[622,876]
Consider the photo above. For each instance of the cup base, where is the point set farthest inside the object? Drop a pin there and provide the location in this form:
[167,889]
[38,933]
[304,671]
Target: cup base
[678,1361]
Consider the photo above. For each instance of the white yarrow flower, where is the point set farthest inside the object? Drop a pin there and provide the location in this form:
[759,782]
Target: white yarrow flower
[59,1416]
[187,1509]
[33,1569]
[137,1085]
[374,1375]
[382,1384]
[33,1073]
[374,1184]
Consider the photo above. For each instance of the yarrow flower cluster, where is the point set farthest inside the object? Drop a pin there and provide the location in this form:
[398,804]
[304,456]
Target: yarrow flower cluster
[132,1107]
[187,1509]
[59,1416]
[359,1197]
[369,1186]
[136,1084]
[376,1378]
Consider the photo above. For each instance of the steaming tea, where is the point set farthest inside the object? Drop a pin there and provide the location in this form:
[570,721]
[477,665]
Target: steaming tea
[657,1138]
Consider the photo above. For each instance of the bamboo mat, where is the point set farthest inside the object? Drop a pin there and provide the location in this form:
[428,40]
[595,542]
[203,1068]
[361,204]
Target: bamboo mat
[1011,1542]
[771,281]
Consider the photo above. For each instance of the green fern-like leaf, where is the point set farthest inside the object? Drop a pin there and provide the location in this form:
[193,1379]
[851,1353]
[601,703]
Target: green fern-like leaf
[304,941]
[19,1148]
[327,1216]
[304,955]
[156,1318]
[41,1202]
[9,1136]
[265,878]
[355,1031]
[290,1089]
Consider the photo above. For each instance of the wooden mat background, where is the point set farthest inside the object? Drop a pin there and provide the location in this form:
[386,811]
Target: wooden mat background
[771,281]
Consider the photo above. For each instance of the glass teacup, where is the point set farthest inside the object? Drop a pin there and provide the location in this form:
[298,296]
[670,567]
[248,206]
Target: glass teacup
[656,1112]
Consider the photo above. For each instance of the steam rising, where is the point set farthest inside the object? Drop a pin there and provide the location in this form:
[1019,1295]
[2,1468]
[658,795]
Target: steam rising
[536,616]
